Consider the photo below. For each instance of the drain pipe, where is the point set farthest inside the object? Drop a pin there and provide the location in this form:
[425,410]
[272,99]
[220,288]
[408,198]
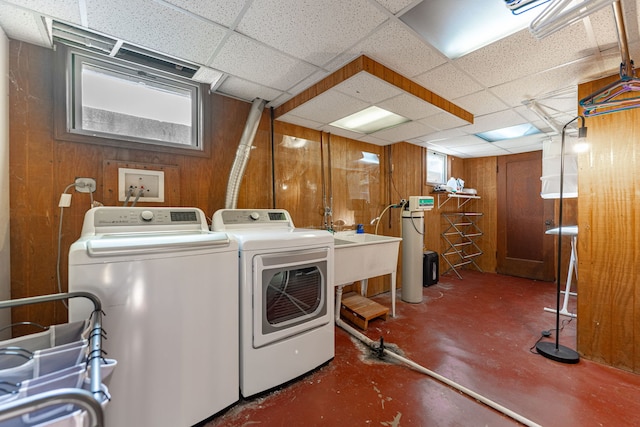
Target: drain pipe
[242,154]
[374,345]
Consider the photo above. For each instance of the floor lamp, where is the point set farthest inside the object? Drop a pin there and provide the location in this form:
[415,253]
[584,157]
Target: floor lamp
[553,350]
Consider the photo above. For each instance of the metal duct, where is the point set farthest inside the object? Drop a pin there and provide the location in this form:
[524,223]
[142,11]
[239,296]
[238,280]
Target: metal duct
[242,154]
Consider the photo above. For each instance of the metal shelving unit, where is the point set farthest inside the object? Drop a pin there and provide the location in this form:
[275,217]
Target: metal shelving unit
[462,199]
[460,234]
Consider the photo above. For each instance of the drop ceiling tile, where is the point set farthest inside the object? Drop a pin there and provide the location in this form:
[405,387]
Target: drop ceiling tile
[409,106]
[537,120]
[483,150]
[493,121]
[367,88]
[634,49]
[481,103]
[443,121]
[604,25]
[64,10]
[275,103]
[207,75]
[139,21]
[290,118]
[460,141]
[341,132]
[314,31]
[448,82]
[403,132]
[375,141]
[553,106]
[341,60]
[395,6]
[396,46]
[445,135]
[250,60]
[498,62]
[542,84]
[248,91]
[515,144]
[23,25]
[329,107]
[525,148]
[309,81]
[445,150]
[222,12]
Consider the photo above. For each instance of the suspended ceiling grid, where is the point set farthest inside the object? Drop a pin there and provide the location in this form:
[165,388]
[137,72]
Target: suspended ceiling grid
[276,49]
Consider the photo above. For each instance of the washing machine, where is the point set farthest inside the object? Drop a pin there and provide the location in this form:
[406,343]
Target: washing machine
[286,296]
[169,290]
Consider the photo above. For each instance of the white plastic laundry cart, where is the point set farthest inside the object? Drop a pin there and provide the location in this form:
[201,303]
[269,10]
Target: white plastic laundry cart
[54,377]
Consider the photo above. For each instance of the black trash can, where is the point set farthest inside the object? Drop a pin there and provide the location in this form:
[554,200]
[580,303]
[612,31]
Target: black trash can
[430,268]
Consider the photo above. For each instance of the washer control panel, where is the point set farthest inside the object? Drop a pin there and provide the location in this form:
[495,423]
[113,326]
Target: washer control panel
[131,216]
[119,219]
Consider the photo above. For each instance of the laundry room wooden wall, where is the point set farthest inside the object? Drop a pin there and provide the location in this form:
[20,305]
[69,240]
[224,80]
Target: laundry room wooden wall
[608,251]
[42,167]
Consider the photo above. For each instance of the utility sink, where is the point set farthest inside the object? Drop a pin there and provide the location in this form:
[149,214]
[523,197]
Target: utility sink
[360,256]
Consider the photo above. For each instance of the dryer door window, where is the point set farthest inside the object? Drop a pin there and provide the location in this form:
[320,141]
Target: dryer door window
[290,294]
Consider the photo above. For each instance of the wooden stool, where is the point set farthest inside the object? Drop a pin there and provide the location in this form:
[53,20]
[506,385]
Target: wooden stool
[360,310]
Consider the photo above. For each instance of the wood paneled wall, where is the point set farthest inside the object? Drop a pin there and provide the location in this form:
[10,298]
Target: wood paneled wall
[480,173]
[608,248]
[41,168]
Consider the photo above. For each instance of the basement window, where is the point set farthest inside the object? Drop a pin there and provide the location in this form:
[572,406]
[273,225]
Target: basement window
[436,167]
[113,101]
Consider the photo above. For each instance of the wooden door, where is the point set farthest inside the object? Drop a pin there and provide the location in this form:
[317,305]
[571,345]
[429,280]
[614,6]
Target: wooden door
[523,249]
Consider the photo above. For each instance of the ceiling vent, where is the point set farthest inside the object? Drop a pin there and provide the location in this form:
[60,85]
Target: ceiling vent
[101,44]
[76,37]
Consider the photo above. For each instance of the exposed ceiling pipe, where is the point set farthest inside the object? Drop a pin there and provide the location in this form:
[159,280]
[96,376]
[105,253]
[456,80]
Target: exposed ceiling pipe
[626,67]
[532,105]
[242,153]
[607,99]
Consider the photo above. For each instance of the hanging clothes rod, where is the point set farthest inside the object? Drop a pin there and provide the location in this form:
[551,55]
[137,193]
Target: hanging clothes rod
[609,99]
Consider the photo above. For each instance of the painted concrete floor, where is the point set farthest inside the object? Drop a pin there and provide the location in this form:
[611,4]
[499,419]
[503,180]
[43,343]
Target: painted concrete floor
[478,332]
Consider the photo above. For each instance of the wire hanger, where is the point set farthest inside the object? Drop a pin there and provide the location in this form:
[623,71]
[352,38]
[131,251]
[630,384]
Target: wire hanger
[609,98]
[562,13]
[606,100]
[518,7]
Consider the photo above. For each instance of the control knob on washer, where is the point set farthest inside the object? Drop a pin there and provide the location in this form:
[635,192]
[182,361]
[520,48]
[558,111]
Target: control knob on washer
[146,216]
[254,216]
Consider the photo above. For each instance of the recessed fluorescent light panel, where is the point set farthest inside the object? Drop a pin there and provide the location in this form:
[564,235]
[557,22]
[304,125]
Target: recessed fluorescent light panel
[508,133]
[459,27]
[370,120]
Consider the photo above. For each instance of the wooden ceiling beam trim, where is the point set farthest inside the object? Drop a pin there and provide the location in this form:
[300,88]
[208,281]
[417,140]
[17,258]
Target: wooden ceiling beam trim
[364,63]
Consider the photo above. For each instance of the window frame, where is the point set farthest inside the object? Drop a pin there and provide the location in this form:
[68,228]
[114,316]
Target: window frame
[445,163]
[68,62]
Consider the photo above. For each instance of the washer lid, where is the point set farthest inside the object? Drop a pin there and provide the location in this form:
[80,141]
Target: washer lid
[120,244]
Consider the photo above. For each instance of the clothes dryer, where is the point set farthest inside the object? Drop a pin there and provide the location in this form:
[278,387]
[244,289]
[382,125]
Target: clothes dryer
[286,296]
[169,288]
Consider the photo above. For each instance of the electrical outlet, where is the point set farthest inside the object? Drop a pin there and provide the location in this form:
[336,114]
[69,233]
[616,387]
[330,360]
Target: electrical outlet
[85,185]
[146,185]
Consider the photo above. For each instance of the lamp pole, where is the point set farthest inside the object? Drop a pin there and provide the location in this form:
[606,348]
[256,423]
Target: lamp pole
[551,350]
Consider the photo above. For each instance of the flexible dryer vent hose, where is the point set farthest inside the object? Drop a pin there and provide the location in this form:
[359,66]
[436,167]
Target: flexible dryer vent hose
[242,153]
[374,345]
